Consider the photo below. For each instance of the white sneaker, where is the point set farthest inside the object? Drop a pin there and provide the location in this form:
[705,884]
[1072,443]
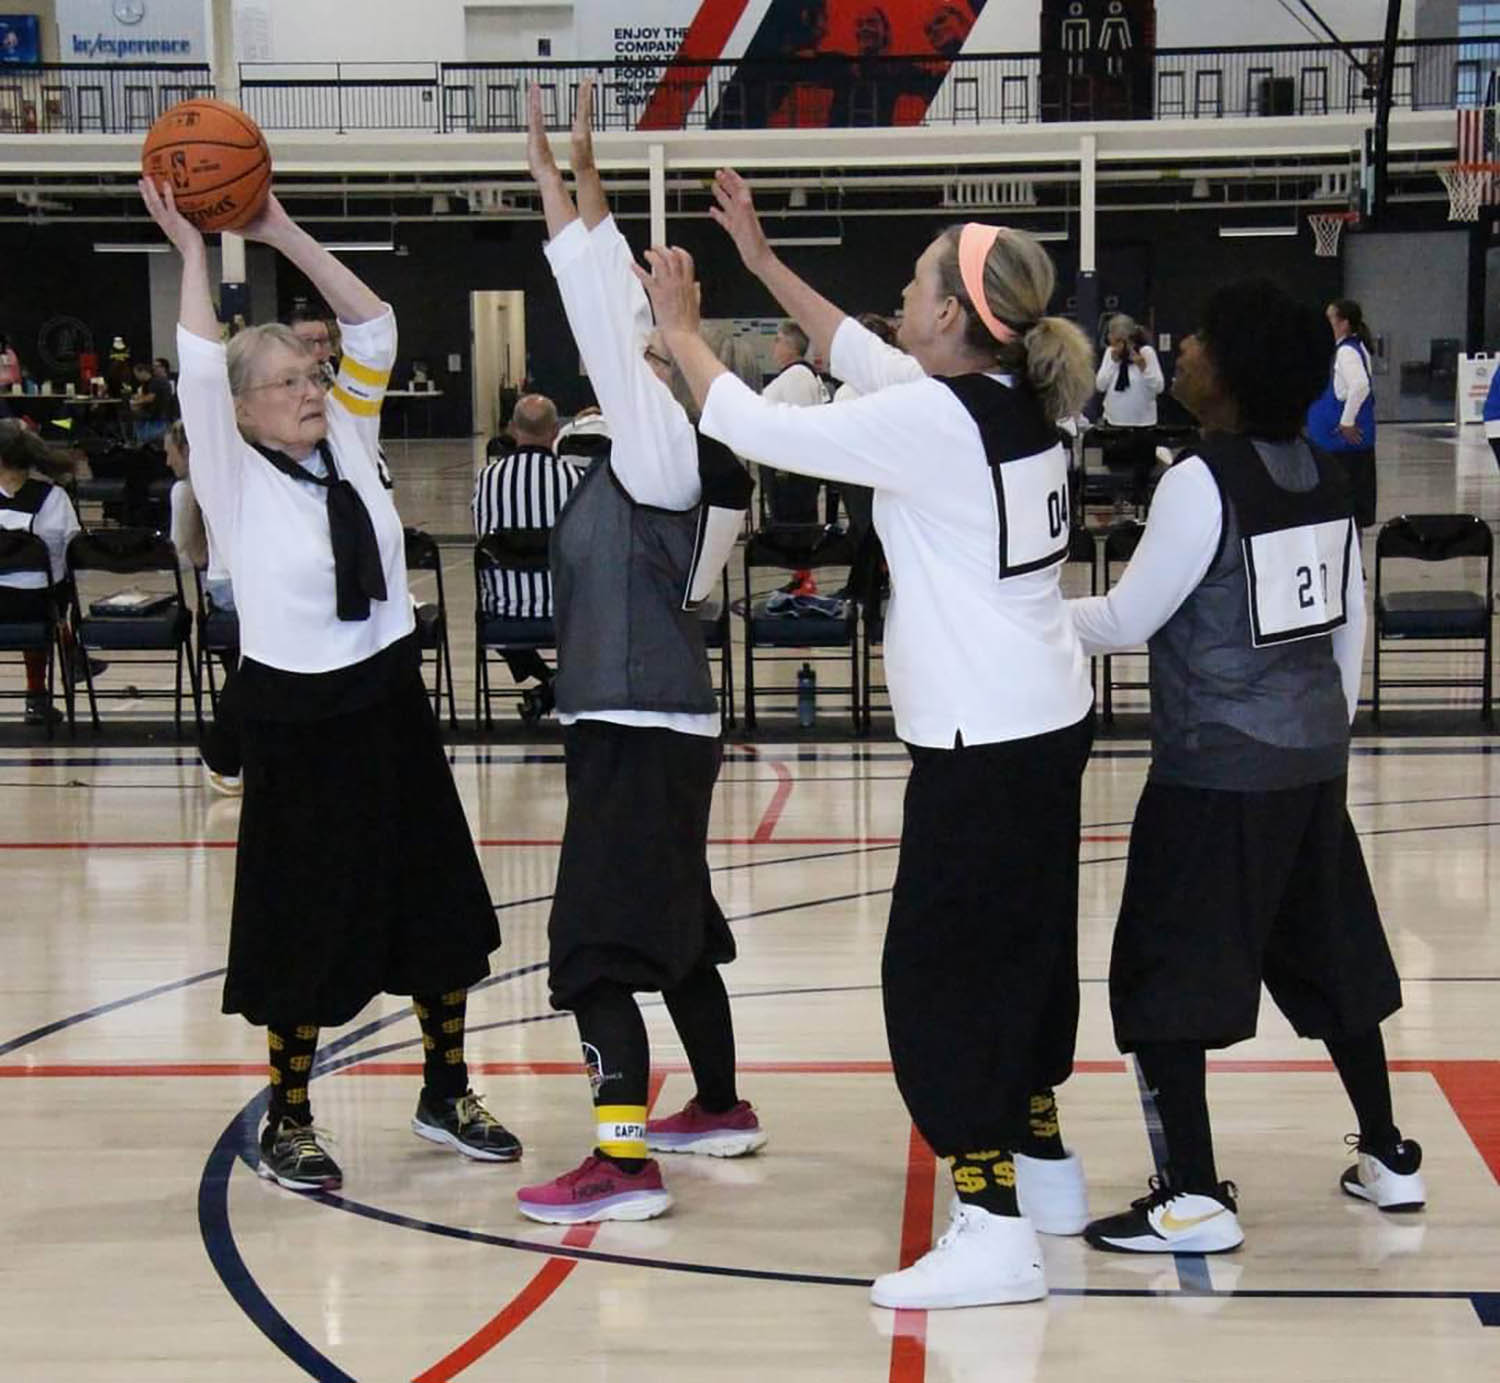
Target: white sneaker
[1052,1193]
[1170,1221]
[223,783]
[982,1260]
[1394,1182]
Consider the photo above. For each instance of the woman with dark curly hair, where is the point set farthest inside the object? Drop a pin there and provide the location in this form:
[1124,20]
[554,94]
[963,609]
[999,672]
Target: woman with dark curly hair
[1243,863]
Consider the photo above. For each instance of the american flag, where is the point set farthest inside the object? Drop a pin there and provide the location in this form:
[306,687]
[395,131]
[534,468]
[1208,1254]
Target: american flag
[1476,143]
[1476,134]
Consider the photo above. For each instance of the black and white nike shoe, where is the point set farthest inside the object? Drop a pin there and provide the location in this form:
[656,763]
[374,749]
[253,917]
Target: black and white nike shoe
[1390,1178]
[1167,1220]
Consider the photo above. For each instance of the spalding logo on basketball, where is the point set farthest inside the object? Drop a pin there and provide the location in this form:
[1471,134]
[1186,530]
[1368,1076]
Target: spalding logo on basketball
[216,160]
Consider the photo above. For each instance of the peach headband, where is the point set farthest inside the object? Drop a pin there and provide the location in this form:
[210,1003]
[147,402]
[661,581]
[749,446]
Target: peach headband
[974,244]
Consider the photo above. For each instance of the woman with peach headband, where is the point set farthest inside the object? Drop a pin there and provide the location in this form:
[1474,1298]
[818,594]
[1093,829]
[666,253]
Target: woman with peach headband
[956,433]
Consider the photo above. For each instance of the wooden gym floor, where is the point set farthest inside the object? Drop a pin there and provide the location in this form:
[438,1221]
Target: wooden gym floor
[141,1247]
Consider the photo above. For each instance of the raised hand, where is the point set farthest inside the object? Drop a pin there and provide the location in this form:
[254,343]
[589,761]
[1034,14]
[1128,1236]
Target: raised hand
[186,238]
[539,158]
[270,224]
[734,209]
[583,129]
[673,290]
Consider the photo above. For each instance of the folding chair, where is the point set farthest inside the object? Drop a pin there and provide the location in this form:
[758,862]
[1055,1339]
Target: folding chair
[218,637]
[1427,615]
[23,553]
[1120,543]
[134,552]
[506,550]
[422,554]
[806,638]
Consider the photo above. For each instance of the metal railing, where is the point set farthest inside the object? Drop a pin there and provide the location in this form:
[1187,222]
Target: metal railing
[87,98]
[821,92]
[841,92]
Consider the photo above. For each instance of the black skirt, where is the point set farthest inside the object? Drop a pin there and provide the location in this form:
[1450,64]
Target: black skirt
[634,904]
[356,873]
[1226,889]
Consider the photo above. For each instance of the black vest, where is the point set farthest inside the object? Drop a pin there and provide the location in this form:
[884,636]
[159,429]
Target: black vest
[19,511]
[626,579]
[1029,469]
[1245,691]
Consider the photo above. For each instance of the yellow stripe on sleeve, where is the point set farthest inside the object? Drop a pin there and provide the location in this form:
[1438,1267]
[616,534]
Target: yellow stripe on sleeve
[364,374]
[363,408]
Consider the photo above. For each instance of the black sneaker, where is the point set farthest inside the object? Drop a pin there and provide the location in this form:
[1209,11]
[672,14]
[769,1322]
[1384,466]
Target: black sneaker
[41,711]
[537,702]
[463,1123]
[1390,1178]
[1167,1220]
[291,1156]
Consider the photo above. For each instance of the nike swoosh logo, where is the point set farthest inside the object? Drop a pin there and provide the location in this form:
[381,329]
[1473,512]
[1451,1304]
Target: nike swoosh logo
[1173,1225]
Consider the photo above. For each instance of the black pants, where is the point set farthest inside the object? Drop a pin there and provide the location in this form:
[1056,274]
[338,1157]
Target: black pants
[527,663]
[980,971]
[1359,468]
[1137,455]
[219,743]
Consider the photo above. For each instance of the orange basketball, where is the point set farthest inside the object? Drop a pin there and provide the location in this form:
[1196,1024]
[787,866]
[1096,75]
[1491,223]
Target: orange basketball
[216,160]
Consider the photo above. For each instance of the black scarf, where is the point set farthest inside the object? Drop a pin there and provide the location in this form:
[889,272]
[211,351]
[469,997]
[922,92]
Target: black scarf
[357,569]
[1122,380]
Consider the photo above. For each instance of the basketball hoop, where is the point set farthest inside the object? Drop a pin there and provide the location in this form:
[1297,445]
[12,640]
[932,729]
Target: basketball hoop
[1327,227]
[1469,186]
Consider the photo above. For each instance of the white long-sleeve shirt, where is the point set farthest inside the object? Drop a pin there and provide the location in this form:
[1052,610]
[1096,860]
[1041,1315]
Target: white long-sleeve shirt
[271,531]
[1351,381]
[965,652]
[655,448]
[1134,406]
[1175,553]
[798,384]
[56,524]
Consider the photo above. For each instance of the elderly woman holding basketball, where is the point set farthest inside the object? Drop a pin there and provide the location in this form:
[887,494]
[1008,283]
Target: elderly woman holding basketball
[356,872]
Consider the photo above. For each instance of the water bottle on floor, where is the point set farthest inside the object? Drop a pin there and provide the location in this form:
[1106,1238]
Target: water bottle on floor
[807,697]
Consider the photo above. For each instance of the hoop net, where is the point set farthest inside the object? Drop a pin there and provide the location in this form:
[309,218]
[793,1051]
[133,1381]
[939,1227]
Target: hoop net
[1327,227]
[1469,186]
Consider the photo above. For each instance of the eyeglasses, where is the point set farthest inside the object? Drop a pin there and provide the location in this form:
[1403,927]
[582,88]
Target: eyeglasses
[293,385]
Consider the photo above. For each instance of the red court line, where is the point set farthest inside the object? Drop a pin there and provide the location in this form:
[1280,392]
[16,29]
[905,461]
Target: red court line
[768,822]
[533,1296]
[909,1333]
[1473,1089]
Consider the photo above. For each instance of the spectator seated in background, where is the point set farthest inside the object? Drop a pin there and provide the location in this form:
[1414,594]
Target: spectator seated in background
[585,434]
[318,333]
[793,499]
[33,505]
[220,743]
[525,489]
[152,403]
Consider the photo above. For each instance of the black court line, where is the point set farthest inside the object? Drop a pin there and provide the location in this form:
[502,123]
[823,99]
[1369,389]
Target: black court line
[47,1029]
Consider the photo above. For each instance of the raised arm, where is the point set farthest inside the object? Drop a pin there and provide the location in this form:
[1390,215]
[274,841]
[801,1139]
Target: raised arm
[592,205]
[196,312]
[203,386]
[735,211]
[339,286]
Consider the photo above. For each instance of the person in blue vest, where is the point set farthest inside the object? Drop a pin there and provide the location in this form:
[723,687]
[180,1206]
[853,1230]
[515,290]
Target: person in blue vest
[1492,414]
[1342,420]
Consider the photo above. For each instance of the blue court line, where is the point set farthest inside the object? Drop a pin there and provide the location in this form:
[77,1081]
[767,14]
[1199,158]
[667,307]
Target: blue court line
[47,1029]
[1192,1268]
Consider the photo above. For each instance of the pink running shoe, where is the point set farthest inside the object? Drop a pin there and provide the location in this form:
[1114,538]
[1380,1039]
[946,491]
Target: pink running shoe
[733,1133]
[596,1190]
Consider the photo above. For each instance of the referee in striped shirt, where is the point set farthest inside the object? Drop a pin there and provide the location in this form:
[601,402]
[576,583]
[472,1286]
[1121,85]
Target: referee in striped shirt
[526,489]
